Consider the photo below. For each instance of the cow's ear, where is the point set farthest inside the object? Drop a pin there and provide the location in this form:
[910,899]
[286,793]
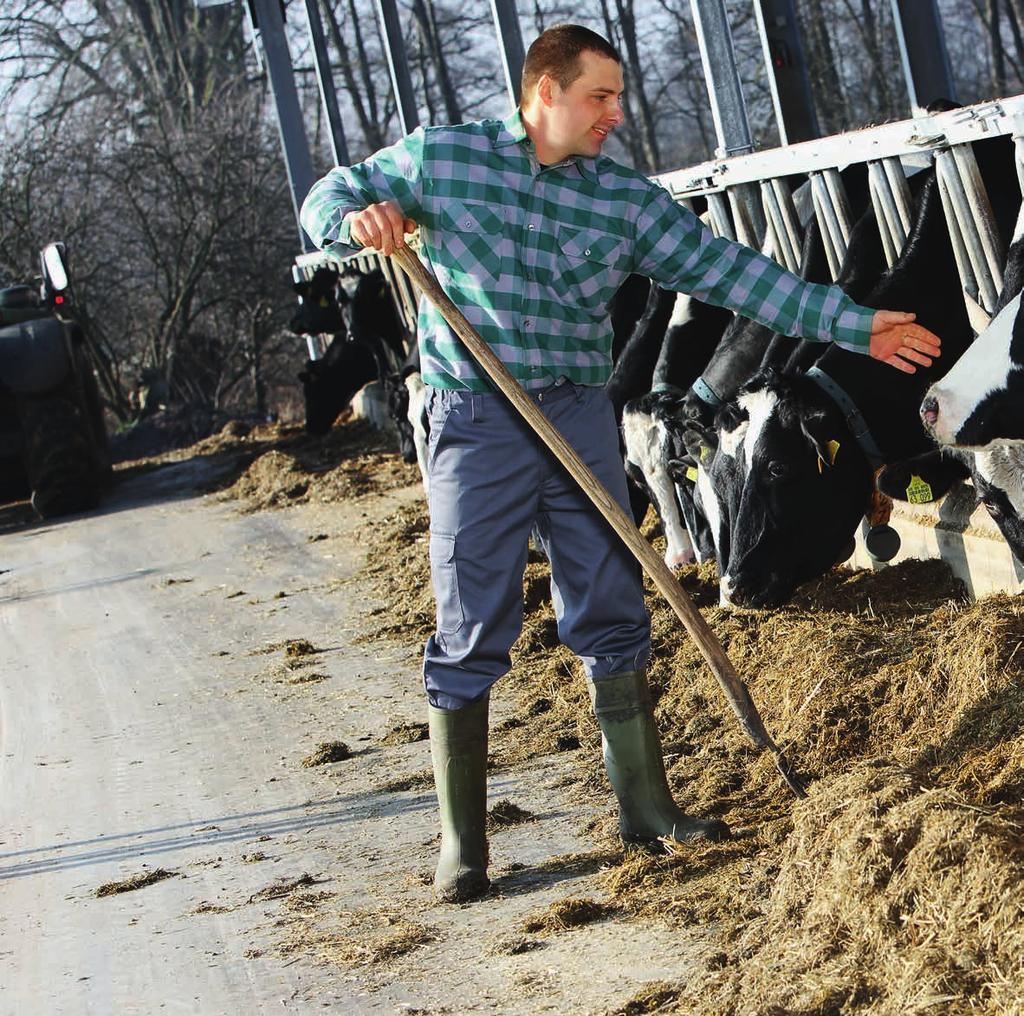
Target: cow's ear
[820,434]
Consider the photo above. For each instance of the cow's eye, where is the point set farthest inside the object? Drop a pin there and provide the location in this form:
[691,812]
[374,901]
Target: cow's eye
[777,470]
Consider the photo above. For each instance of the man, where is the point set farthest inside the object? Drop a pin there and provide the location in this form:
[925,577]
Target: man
[530,230]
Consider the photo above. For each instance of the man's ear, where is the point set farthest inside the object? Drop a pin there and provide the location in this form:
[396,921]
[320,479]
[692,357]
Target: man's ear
[545,89]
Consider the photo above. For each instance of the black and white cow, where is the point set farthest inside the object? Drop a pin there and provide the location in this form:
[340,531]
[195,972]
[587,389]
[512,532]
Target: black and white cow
[692,332]
[981,400]
[369,346]
[803,478]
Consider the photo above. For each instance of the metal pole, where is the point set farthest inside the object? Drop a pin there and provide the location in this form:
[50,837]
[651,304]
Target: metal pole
[398,65]
[787,71]
[325,79]
[923,52]
[728,109]
[510,38]
[295,144]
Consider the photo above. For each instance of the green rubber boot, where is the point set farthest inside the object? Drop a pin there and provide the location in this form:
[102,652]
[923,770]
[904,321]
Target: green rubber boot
[458,749]
[636,770]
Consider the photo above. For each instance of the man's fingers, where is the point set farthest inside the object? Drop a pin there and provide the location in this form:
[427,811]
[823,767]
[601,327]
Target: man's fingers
[895,361]
[913,355]
[888,318]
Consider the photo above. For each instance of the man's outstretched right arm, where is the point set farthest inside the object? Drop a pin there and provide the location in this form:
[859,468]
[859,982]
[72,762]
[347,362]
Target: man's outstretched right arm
[370,204]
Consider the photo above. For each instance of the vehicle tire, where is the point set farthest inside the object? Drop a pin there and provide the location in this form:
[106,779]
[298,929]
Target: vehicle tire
[59,455]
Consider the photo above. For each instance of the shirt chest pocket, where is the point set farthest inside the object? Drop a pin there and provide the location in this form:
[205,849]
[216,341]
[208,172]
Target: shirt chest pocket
[471,217]
[474,243]
[593,263]
[592,245]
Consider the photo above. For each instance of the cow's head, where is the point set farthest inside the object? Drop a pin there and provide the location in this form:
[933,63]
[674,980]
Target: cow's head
[800,489]
[979,401]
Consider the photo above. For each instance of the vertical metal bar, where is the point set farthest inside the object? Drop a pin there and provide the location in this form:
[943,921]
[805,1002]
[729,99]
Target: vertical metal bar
[325,79]
[841,204]
[747,214]
[721,218]
[957,203]
[782,241]
[294,143]
[829,224]
[923,54]
[398,65]
[728,109]
[889,225]
[790,220]
[897,179]
[960,253]
[787,70]
[510,40]
[982,217]
[399,295]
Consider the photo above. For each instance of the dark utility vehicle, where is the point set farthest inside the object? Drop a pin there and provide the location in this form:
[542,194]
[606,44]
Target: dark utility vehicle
[53,445]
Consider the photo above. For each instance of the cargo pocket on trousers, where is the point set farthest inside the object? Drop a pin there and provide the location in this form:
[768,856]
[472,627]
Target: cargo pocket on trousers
[446,583]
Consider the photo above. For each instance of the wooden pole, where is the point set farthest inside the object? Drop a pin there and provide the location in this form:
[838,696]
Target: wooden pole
[733,687]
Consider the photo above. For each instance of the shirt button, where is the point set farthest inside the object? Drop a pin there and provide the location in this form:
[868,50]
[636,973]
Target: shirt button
[469,222]
[527,324]
[587,251]
[530,226]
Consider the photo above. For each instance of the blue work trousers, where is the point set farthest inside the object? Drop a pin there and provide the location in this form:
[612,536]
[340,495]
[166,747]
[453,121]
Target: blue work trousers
[491,481]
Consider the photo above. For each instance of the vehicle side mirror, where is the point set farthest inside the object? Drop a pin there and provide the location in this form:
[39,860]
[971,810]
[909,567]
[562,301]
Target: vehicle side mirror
[55,269]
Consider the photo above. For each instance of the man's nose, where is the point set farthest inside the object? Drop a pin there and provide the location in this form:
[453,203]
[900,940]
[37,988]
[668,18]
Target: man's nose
[619,114]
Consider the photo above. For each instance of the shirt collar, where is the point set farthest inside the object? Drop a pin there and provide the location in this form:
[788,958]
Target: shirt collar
[513,131]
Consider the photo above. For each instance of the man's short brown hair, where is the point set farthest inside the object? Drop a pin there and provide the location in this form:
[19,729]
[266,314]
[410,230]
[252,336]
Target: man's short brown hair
[556,52]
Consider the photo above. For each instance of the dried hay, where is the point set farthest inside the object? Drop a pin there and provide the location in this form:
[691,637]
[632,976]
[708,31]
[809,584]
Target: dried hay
[351,460]
[503,814]
[414,781]
[653,997]
[405,733]
[327,752]
[862,679]
[134,882]
[282,887]
[364,938]
[564,914]
[889,897]
[512,944]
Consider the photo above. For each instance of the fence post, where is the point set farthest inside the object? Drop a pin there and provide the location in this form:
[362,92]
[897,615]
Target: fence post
[325,80]
[510,40]
[787,70]
[294,143]
[398,65]
[923,51]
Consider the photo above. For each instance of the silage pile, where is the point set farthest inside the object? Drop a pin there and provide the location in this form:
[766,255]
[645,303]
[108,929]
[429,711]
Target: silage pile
[351,460]
[895,888]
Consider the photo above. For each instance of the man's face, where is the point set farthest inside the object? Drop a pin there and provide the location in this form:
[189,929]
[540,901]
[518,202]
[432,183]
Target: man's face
[581,117]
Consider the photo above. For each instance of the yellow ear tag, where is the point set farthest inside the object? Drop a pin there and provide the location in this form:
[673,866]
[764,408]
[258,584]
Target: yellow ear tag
[691,474]
[705,451]
[918,491]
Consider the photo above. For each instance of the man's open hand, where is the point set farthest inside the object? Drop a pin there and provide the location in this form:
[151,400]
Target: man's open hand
[897,341]
[381,227]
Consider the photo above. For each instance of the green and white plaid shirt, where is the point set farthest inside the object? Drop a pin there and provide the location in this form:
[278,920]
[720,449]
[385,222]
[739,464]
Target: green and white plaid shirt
[532,254]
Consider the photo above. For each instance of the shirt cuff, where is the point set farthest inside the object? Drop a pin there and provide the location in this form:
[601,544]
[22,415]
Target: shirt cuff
[345,230]
[852,328]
